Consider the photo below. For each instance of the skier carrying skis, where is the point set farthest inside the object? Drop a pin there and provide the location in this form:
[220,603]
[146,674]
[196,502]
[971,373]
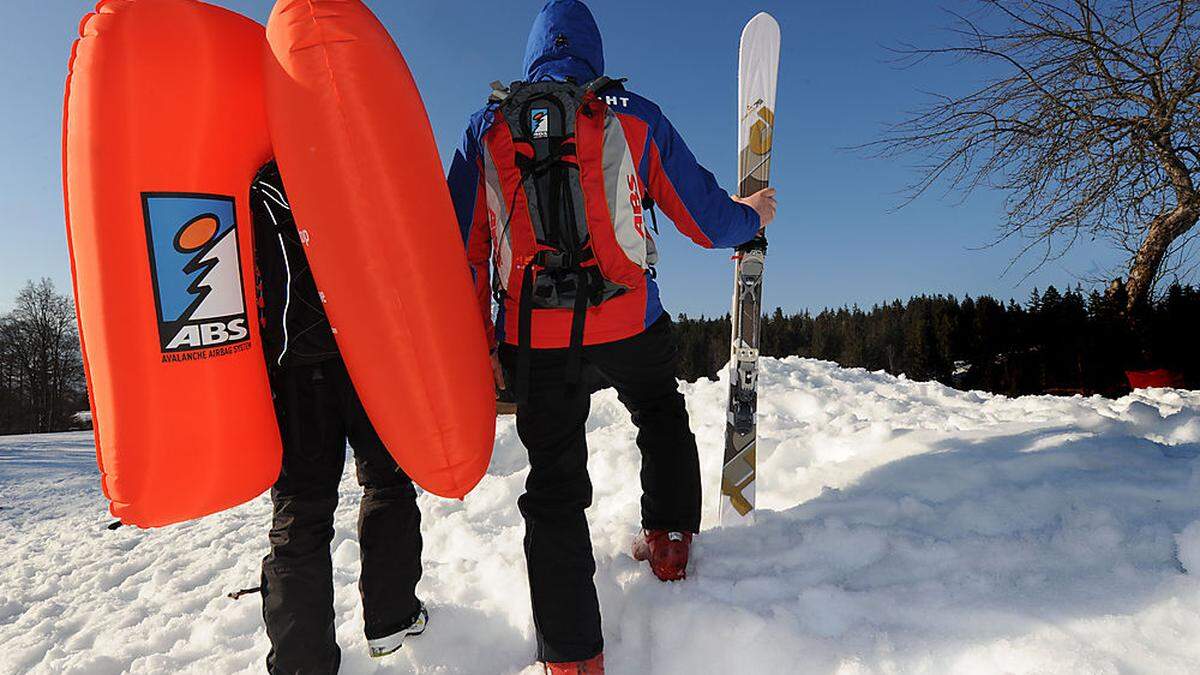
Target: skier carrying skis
[318,410]
[552,186]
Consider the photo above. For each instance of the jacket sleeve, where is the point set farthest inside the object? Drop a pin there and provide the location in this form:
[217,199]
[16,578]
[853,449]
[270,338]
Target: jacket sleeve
[470,206]
[689,194]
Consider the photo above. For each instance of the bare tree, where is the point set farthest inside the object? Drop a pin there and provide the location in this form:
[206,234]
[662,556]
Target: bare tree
[1091,126]
[11,403]
[40,371]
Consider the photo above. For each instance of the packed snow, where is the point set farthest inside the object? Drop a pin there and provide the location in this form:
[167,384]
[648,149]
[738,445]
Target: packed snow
[904,528]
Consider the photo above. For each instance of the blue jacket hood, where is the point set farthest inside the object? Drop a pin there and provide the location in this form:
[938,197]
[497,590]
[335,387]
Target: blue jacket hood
[564,42]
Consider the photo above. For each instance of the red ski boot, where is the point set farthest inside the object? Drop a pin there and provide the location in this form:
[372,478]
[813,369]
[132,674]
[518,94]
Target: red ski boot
[593,666]
[666,551]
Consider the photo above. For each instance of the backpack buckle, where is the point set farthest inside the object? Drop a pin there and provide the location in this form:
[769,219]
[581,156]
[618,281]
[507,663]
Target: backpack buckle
[553,260]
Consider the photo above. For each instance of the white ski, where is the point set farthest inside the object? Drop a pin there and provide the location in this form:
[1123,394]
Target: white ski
[758,72]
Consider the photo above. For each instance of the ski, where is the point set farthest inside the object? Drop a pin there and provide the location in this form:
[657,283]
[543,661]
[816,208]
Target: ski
[758,70]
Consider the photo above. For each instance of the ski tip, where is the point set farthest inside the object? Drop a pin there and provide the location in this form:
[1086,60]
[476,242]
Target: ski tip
[763,19]
[761,23]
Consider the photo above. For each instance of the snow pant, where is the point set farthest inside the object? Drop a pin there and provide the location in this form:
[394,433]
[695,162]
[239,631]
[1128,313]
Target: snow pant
[318,410]
[551,425]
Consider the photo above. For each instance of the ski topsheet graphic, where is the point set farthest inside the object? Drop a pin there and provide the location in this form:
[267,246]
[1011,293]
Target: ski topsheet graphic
[758,71]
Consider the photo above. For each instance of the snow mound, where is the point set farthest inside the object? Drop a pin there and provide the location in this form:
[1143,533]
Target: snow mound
[905,528]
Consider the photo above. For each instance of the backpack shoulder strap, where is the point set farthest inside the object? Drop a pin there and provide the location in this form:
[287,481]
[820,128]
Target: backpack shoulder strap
[598,85]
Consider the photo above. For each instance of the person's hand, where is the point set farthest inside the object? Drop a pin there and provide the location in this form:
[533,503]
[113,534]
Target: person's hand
[763,203]
[498,372]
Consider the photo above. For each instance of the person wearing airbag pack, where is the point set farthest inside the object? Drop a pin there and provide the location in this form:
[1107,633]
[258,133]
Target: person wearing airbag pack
[318,411]
[553,187]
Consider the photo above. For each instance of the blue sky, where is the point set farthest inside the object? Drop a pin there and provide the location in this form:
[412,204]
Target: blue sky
[839,238]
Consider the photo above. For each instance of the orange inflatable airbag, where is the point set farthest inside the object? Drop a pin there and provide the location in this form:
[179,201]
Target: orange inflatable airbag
[358,157]
[164,129]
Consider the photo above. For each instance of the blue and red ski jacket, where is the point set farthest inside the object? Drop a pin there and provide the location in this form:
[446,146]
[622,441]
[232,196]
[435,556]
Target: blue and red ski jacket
[565,45]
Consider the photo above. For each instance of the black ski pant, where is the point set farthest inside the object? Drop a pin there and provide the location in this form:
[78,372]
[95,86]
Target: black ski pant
[551,425]
[318,410]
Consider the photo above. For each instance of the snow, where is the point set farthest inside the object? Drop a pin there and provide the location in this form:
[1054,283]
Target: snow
[905,528]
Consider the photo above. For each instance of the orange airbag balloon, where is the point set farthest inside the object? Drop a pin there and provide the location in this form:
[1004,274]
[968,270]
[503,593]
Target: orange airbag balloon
[164,129]
[361,168]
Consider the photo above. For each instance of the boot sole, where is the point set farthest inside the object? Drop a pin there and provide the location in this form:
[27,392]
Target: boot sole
[391,644]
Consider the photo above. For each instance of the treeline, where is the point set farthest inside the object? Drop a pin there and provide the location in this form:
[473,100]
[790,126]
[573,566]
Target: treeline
[41,374]
[1056,342]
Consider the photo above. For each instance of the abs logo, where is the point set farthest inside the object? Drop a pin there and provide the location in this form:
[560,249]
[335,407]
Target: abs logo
[539,121]
[196,266]
[635,202]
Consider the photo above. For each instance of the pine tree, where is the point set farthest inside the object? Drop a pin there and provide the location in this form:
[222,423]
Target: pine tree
[1058,341]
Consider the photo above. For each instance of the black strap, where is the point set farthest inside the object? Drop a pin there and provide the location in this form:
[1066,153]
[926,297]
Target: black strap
[555,259]
[533,168]
[552,207]
[524,335]
[603,82]
[588,291]
[583,294]
[648,205]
